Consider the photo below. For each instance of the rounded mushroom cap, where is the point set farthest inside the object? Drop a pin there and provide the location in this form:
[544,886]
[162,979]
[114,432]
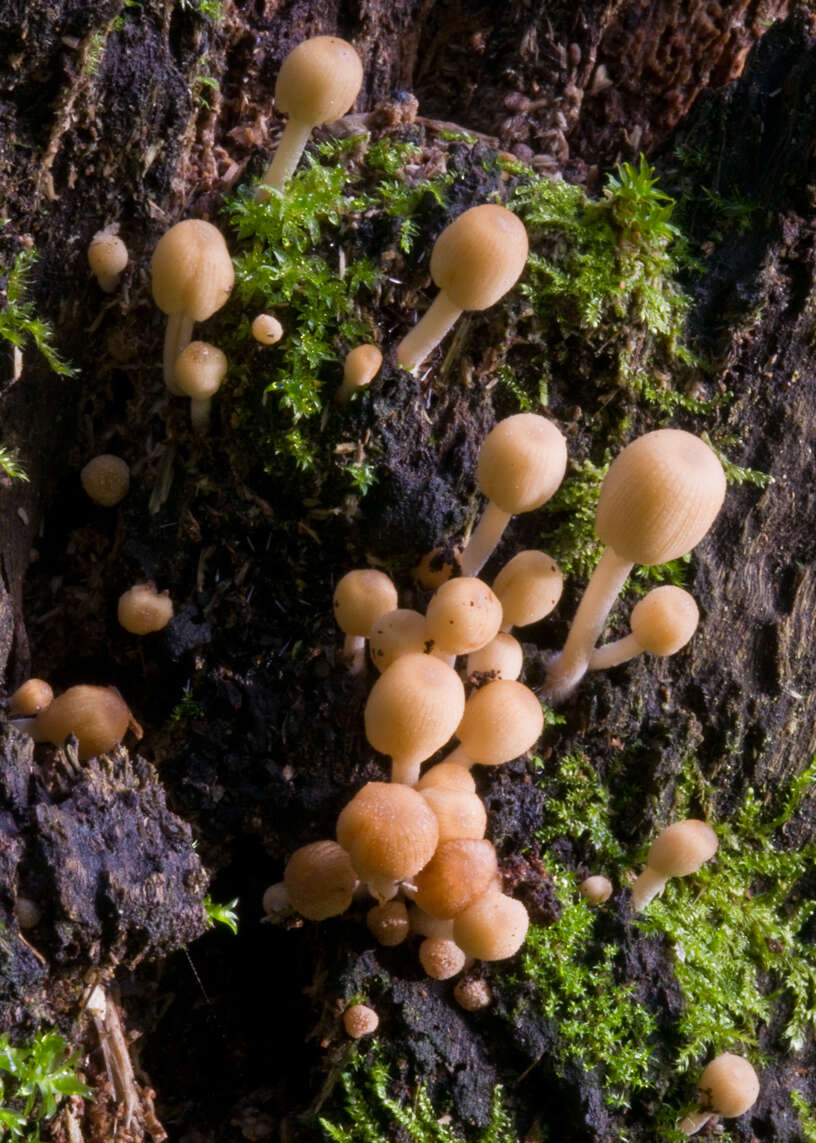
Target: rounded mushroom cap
[463,616]
[275,899]
[319,80]
[502,657]
[664,620]
[191,270]
[266,329]
[388,923]
[106,479]
[502,720]
[361,366]
[472,993]
[441,958]
[98,716]
[414,707]
[388,830]
[682,848]
[143,610]
[199,370]
[459,814]
[528,587]
[521,463]
[396,633]
[107,255]
[360,1020]
[360,598]
[319,880]
[492,928]
[479,256]
[458,873]
[729,1085]
[660,497]
[596,889]
[448,775]
[32,697]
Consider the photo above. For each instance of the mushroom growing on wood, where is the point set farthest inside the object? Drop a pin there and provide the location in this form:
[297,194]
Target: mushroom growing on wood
[475,261]
[729,1086]
[441,958]
[492,928]
[319,880]
[677,850]
[502,720]
[360,1020]
[107,257]
[662,623]
[142,610]
[459,813]
[388,923]
[361,598]
[361,367]
[528,586]
[317,83]
[458,873]
[463,616]
[396,633]
[98,717]
[198,371]
[106,479]
[501,657]
[29,699]
[595,889]
[658,499]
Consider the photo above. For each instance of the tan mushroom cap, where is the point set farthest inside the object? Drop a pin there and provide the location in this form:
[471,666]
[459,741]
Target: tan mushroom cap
[441,958]
[729,1085]
[360,598]
[266,329]
[388,923]
[682,848]
[528,586]
[492,928]
[396,633]
[502,720]
[522,463]
[192,270]
[319,80]
[502,657]
[660,497]
[98,716]
[199,370]
[463,616]
[106,479]
[595,889]
[142,610]
[414,707]
[360,1020]
[479,256]
[388,830]
[107,255]
[458,873]
[361,366]
[29,699]
[449,776]
[460,814]
[664,620]
[319,880]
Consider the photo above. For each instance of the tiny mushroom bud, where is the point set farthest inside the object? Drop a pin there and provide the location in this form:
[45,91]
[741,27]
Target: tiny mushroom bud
[319,880]
[457,874]
[98,717]
[662,623]
[317,83]
[463,616]
[474,262]
[106,479]
[361,367]
[107,257]
[596,889]
[678,850]
[360,1020]
[192,277]
[729,1086]
[360,599]
[501,657]
[472,993]
[492,928]
[198,371]
[521,465]
[528,587]
[275,899]
[30,698]
[441,958]
[266,329]
[388,923]
[502,721]
[459,814]
[396,633]
[142,610]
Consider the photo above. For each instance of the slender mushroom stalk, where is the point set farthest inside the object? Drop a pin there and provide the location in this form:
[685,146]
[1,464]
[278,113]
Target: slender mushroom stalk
[729,1087]
[361,598]
[198,371]
[475,261]
[107,257]
[677,851]
[658,499]
[662,623]
[361,367]
[317,83]
[521,465]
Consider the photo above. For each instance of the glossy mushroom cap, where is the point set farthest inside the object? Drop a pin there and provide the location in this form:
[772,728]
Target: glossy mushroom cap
[199,370]
[458,873]
[389,831]
[479,256]
[107,257]
[492,928]
[360,598]
[660,497]
[266,329]
[502,720]
[142,610]
[388,923]
[361,367]
[596,889]
[459,814]
[528,586]
[463,616]
[192,270]
[729,1085]
[501,657]
[29,699]
[98,717]
[449,776]
[441,958]
[106,479]
[320,880]
[682,848]
[319,80]
[396,633]
[521,463]
[664,620]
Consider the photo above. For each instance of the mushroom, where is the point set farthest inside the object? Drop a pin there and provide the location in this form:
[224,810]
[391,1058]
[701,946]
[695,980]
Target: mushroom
[459,813]
[317,83]
[472,993]
[433,569]
[360,599]
[29,699]
[106,479]
[413,709]
[502,720]
[449,776]
[596,889]
[528,587]
[474,262]
[27,912]
[677,850]
[427,926]
[458,873]
[389,831]
[98,717]
[319,880]
[441,958]
[658,499]
[521,465]
[192,276]
[361,367]
[463,616]
[729,1086]
[502,657]
[360,1020]
[142,610]
[266,329]
[107,257]
[275,899]
[662,623]
[198,371]
[492,928]
[388,923]
[396,633]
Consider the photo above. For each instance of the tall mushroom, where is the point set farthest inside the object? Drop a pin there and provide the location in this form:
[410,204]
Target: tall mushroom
[678,850]
[361,598]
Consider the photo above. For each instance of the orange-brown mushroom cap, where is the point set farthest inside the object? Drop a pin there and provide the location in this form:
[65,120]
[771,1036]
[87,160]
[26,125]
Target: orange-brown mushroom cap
[522,462]
[502,720]
[681,848]
[191,270]
[479,256]
[729,1085]
[458,873]
[528,587]
[319,80]
[664,620]
[106,479]
[463,616]
[388,830]
[492,927]
[98,717]
[360,598]
[320,880]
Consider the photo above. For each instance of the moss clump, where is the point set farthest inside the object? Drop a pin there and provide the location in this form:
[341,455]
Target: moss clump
[807,1116]
[18,322]
[34,1080]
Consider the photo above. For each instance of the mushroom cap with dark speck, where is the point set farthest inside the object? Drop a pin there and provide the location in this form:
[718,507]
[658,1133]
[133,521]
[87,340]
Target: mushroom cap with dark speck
[729,1085]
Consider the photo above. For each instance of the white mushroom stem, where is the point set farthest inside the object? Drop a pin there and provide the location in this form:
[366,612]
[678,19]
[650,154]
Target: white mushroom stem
[406,770]
[178,335]
[613,654]
[459,757]
[383,888]
[484,539]
[200,411]
[647,887]
[291,146]
[695,1121]
[354,653]
[427,334]
[570,666]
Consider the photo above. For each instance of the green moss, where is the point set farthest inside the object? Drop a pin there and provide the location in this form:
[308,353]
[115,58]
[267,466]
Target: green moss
[221,914]
[578,805]
[807,1116]
[35,1078]
[18,322]
[10,464]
